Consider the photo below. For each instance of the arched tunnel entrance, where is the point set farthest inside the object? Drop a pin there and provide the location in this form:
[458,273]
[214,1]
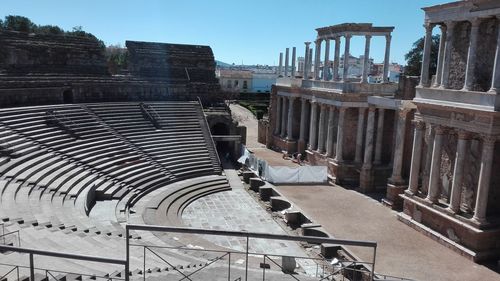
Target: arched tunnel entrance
[223,147]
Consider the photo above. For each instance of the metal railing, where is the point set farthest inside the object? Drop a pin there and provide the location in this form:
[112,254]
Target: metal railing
[4,235]
[367,267]
[35,252]
[150,114]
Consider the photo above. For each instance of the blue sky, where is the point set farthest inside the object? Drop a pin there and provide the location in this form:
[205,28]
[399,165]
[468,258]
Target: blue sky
[248,31]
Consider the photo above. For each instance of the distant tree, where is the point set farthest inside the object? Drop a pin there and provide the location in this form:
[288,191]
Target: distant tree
[117,58]
[414,57]
[18,23]
[49,29]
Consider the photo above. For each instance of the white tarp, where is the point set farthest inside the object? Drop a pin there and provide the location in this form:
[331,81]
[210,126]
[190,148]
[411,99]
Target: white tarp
[302,174]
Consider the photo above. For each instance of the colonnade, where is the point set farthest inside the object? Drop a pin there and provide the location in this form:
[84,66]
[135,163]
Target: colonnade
[448,34]
[434,156]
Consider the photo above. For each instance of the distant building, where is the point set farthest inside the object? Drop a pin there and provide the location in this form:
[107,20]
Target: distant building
[247,79]
[235,80]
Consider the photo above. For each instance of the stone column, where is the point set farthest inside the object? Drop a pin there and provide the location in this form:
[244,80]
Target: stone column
[290,119]
[416,157]
[303,109]
[280,67]
[277,126]
[310,61]
[380,136]
[284,113]
[388,38]
[317,59]
[321,132]
[434,190]
[366,62]
[287,55]
[471,56]
[294,54]
[340,135]
[428,158]
[458,171]
[442,43]
[336,59]
[445,72]
[326,64]
[426,57]
[398,149]
[483,186]
[331,127]
[313,126]
[370,131]
[495,80]
[306,61]
[359,135]
[346,56]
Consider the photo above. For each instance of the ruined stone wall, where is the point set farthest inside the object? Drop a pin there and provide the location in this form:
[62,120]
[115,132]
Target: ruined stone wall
[459,51]
[263,126]
[406,87]
[488,30]
[447,164]
[29,54]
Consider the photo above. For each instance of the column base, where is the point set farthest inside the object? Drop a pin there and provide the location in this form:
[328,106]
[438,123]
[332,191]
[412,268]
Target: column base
[290,146]
[366,180]
[345,173]
[301,146]
[456,232]
[392,198]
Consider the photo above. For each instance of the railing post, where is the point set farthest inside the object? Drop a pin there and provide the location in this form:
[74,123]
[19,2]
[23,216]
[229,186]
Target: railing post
[246,263]
[373,265]
[144,265]
[127,255]
[229,267]
[264,269]
[32,268]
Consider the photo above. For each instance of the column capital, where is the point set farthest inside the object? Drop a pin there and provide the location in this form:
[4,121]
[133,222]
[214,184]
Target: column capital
[323,105]
[475,22]
[342,109]
[450,24]
[372,108]
[307,43]
[464,135]
[347,36]
[403,113]
[440,130]
[419,125]
[443,28]
[337,39]
[488,140]
[318,41]
[429,26]
[388,37]
[303,100]
[292,97]
[368,36]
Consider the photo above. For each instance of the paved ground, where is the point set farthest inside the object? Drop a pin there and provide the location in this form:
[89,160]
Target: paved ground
[401,251]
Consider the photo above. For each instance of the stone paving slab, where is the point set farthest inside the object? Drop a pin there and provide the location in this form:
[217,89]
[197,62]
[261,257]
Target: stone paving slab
[401,251]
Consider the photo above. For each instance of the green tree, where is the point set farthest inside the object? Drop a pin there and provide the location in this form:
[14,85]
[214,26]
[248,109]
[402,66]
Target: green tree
[117,58]
[49,30]
[18,23]
[414,57]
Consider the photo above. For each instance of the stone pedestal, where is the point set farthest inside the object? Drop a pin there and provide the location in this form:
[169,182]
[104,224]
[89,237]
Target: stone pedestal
[345,174]
[392,198]
[366,180]
[290,146]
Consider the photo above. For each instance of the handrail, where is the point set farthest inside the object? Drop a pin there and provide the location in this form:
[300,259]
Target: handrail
[209,133]
[9,233]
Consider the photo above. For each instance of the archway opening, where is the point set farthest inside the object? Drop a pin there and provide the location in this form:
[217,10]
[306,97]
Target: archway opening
[68,96]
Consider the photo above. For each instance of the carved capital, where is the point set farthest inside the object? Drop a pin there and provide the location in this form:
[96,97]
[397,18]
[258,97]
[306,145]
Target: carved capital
[475,22]
[429,27]
[450,25]
[440,130]
[443,28]
[368,37]
[342,109]
[403,114]
[488,140]
[388,37]
[372,109]
[419,125]
[348,36]
[464,135]
[307,44]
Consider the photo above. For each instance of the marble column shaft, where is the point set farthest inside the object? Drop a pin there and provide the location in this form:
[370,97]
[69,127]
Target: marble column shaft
[416,157]
[346,56]
[388,39]
[445,72]
[326,64]
[306,60]
[380,136]
[471,55]
[483,186]
[336,59]
[331,127]
[277,126]
[280,67]
[284,113]
[294,59]
[434,188]
[313,126]
[370,131]
[290,118]
[366,61]
[495,80]
[397,164]
[458,171]
[426,57]
[303,109]
[340,135]
[287,55]
[321,132]
[317,59]
[359,135]
[442,46]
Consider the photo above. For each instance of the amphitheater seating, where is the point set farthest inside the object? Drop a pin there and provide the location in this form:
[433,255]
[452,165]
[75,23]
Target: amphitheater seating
[53,170]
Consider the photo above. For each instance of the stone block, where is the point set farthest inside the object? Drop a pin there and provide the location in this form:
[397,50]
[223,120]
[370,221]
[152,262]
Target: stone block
[265,193]
[247,175]
[255,183]
[330,250]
